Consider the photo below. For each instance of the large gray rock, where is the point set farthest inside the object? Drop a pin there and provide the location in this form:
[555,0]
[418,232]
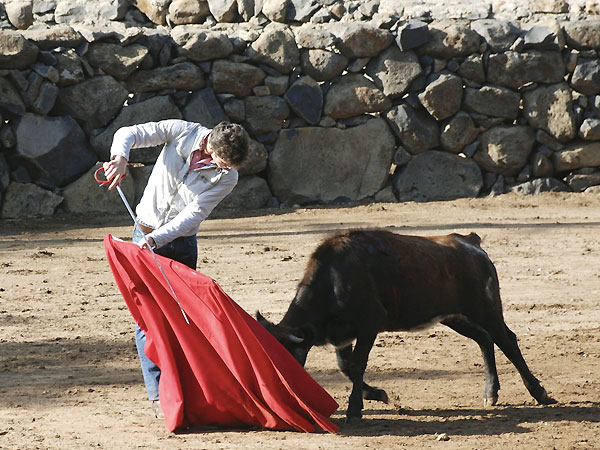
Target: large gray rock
[360,40]
[354,95]
[187,11]
[505,149]
[198,44]
[540,185]
[458,132]
[99,11]
[56,36]
[393,71]
[93,102]
[228,77]
[10,99]
[450,39]
[412,34]
[203,107]
[443,96]
[305,98]
[256,160]
[250,193]
[583,34]
[417,130]
[116,60]
[28,200]
[56,146]
[276,47]
[323,164]
[300,10]
[235,109]
[586,77]
[223,10]
[514,70]
[311,36]
[550,108]
[543,38]
[115,32]
[322,65]
[85,195]
[277,85]
[590,129]
[69,67]
[45,99]
[275,10]
[16,52]
[265,114]
[20,13]
[579,182]
[152,110]
[576,156]
[155,10]
[472,69]
[499,35]
[437,176]
[494,101]
[549,6]
[184,76]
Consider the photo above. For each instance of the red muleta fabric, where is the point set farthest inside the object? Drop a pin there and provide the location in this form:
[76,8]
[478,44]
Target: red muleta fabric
[223,368]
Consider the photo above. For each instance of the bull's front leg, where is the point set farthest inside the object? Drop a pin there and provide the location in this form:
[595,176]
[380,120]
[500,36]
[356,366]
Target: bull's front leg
[344,355]
[356,371]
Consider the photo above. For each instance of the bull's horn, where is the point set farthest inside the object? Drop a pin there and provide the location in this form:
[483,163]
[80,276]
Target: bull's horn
[295,339]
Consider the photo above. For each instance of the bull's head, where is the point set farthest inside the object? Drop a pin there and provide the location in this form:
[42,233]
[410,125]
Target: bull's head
[294,341]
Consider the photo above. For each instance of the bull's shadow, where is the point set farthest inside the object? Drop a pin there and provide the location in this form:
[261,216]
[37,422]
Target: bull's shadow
[464,421]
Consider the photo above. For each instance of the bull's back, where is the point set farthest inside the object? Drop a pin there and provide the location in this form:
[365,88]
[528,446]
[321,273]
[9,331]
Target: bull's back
[417,280]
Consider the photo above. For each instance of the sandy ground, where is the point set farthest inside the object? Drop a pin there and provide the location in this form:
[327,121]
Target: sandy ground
[69,376]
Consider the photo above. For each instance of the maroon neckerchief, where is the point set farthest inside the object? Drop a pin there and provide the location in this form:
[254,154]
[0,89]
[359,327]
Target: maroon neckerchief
[200,158]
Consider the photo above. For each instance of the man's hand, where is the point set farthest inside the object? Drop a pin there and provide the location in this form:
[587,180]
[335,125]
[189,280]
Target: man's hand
[115,170]
[142,243]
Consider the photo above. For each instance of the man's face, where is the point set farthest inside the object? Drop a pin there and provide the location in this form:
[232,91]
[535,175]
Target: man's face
[221,163]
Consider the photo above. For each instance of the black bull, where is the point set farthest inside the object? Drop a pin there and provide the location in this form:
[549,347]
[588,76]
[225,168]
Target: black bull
[361,282]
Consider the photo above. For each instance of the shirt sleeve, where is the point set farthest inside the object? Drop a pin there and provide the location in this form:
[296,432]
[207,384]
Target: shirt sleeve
[186,223]
[145,135]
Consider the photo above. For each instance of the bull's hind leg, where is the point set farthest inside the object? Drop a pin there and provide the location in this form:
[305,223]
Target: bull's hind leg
[464,326]
[344,354]
[506,340]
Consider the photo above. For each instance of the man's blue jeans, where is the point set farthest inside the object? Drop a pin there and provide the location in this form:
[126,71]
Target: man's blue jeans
[185,250]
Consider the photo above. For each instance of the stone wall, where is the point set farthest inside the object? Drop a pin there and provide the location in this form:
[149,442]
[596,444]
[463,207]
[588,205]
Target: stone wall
[347,101]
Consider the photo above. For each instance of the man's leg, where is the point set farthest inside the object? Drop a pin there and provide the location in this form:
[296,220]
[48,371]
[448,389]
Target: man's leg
[150,371]
[184,250]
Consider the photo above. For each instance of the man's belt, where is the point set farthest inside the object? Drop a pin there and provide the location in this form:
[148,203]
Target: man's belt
[146,229]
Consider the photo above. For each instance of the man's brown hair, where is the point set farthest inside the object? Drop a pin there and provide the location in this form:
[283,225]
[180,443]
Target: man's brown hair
[230,142]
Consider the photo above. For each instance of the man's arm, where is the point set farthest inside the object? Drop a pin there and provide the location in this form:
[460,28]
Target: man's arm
[143,135]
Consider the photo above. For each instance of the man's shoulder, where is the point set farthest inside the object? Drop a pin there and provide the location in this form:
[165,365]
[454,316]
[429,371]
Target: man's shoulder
[184,125]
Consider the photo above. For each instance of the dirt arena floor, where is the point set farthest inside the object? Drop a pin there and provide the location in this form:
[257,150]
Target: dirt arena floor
[70,378]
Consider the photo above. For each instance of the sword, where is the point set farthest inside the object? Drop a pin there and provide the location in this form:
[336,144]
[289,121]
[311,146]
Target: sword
[137,225]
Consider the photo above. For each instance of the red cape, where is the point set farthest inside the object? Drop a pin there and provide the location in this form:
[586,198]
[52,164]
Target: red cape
[223,368]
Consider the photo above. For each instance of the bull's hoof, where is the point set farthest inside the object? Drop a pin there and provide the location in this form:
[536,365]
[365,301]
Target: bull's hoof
[488,402]
[353,419]
[545,399]
[376,394]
